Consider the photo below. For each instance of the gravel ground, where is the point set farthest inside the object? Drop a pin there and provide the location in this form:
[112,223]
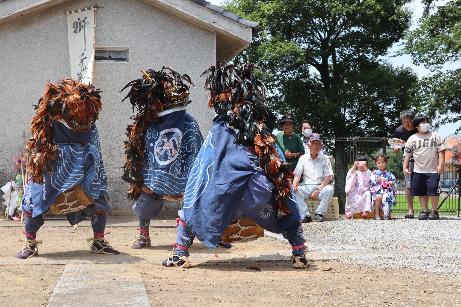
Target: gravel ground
[432,246]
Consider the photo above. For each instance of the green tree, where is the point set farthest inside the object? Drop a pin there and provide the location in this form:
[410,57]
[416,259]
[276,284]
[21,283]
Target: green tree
[322,61]
[436,44]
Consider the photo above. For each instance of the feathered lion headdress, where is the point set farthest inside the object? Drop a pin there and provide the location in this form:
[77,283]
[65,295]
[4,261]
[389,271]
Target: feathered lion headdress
[154,92]
[75,104]
[238,95]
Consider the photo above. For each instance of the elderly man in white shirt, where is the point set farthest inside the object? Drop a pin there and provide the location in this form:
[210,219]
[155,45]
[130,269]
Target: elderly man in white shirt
[317,175]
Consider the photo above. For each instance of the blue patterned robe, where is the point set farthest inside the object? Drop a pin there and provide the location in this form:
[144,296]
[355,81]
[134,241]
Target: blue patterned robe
[171,148]
[385,184]
[78,162]
[226,183]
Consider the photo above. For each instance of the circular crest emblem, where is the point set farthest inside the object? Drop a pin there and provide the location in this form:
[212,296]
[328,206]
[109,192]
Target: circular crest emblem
[166,147]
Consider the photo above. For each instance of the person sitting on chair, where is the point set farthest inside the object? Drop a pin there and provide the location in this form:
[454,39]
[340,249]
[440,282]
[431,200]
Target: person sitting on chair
[317,174]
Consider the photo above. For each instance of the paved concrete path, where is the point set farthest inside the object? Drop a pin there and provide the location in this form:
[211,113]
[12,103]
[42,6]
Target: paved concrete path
[99,285]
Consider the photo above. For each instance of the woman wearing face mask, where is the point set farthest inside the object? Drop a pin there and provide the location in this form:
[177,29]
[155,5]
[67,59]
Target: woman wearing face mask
[306,130]
[427,149]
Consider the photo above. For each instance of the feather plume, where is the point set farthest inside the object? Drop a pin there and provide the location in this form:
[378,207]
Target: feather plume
[237,95]
[76,104]
[154,92]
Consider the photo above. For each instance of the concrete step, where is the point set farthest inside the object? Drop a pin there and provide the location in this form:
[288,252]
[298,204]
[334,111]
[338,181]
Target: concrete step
[99,285]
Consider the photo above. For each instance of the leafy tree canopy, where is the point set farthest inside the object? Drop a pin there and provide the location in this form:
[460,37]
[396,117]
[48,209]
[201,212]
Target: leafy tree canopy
[322,61]
[436,44]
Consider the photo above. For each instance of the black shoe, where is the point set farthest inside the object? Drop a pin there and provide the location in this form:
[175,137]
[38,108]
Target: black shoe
[434,215]
[101,246]
[300,262]
[225,245]
[141,242]
[409,216]
[319,218]
[29,250]
[307,219]
[175,260]
[423,215]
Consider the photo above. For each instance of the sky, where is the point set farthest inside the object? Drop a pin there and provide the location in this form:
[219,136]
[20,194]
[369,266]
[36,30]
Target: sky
[405,60]
[216,2]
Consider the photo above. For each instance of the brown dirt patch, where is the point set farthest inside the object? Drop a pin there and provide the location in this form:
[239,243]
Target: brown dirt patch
[245,275]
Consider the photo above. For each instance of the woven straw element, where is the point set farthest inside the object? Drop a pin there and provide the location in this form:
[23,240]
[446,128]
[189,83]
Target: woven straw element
[242,230]
[72,200]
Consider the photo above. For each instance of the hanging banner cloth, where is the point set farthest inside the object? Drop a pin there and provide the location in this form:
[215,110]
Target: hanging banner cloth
[81,37]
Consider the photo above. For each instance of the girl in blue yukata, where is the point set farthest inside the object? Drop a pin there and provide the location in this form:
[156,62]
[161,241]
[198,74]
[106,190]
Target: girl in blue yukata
[383,189]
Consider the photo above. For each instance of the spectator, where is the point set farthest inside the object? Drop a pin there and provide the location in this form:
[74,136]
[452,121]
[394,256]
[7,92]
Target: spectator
[383,189]
[290,143]
[358,183]
[403,132]
[306,130]
[427,150]
[317,175]
[406,129]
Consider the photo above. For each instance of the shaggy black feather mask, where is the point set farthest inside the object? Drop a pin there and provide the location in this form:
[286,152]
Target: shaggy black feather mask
[156,91]
[237,95]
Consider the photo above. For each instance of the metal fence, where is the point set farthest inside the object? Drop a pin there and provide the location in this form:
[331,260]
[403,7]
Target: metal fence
[346,151]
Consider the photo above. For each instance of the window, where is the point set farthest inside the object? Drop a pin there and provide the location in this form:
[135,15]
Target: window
[111,55]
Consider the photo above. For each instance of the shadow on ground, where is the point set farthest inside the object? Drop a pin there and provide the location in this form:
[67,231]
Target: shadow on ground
[255,264]
[84,255]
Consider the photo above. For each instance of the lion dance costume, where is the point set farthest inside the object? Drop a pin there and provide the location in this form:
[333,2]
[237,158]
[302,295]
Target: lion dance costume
[163,142]
[65,164]
[237,174]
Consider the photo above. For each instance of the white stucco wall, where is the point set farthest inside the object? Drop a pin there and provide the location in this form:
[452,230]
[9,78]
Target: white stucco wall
[33,49]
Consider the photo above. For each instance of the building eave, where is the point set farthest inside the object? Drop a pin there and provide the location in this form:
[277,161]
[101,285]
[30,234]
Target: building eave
[227,14]
[211,16]
[206,15]
[233,33]
[10,10]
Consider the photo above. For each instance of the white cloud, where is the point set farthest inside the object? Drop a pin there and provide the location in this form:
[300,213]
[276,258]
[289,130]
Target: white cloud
[216,2]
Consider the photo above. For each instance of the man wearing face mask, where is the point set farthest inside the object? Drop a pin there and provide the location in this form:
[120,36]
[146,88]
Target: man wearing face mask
[289,142]
[403,132]
[427,149]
